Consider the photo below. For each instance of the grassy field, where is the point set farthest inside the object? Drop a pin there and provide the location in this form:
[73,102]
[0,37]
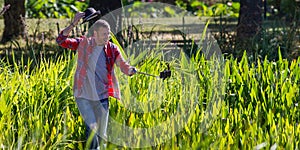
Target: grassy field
[228,105]
[225,104]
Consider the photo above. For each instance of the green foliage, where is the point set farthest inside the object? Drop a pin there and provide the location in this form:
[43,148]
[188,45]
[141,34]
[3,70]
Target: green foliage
[287,9]
[230,9]
[54,8]
[37,108]
[259,109]
[141,9]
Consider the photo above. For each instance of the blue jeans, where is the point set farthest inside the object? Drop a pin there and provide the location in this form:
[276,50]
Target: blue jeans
[95,115]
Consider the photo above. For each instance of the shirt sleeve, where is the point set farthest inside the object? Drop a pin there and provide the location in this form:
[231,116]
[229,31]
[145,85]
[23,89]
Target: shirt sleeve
[65,42]
[120,61]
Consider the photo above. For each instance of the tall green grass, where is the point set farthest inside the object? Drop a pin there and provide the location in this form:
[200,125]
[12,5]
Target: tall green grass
[37,107]
[258,104]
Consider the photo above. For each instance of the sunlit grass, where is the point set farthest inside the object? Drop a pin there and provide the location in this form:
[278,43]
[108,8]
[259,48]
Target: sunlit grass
[257,107]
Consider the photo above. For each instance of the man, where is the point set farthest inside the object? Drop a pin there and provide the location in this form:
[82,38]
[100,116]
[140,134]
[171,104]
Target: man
[95,80]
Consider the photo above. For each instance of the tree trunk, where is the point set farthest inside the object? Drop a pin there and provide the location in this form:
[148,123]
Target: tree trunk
[249,23]
[111,12]
[107,7]
[250,19]
[14,20]
[277,5]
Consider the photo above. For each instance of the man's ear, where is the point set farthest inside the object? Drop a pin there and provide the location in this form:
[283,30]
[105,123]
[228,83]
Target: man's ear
[94,33]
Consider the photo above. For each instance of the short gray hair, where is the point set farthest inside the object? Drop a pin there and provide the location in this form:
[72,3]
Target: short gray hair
[98,24]
[101,23]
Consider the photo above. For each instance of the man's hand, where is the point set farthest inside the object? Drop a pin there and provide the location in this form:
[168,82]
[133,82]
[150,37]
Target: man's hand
[77,17]
[75,21]
[132,71]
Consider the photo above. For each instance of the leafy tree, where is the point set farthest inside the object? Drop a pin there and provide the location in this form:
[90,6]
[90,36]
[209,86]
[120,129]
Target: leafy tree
[249,22]
[250,18]
[14,20]
[111,12]
[106,7]
[53,8]
[167,1]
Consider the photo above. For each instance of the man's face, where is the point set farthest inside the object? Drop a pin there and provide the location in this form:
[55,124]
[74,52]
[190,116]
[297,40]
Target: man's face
[102,35]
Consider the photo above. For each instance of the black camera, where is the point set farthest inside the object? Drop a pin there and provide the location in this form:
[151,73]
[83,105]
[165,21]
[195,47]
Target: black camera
[165,74]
